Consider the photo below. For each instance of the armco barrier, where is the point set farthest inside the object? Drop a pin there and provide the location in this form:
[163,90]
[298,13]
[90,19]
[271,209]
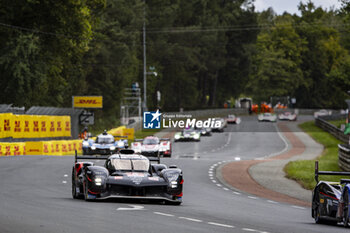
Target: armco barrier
[323,123]
[58,147]
[344,157]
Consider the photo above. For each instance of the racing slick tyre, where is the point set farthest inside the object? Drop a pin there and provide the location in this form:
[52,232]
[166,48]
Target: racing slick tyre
[346,209]
[86,195]
[74,188]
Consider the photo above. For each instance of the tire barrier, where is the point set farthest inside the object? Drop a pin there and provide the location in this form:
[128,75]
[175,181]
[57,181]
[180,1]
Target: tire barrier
[34,126]
[344,157]
[57,147]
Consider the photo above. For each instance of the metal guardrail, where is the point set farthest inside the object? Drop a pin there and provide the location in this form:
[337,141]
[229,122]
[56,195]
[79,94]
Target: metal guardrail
[344,157]
[322,122]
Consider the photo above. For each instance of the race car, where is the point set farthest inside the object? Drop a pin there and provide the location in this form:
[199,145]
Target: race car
[189,134]
[322,112]
[220,127]
[204,131]
[126,175]
[232,119]
[330,200]
[103,144]
[267,116]
[152,146]
[287,116]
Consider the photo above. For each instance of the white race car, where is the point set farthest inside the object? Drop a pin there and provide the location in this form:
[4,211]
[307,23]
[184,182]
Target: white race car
[267,117]
[152,146]
[322,112]
[287,116]
[232,119]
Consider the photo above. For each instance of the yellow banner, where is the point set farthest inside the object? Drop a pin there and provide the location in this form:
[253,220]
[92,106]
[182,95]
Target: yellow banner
[87,101]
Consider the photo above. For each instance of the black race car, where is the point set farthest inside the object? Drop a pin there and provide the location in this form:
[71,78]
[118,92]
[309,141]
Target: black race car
[330,200]
[126,175]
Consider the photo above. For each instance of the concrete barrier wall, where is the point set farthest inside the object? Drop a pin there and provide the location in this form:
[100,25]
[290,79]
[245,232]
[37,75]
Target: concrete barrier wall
[57,147]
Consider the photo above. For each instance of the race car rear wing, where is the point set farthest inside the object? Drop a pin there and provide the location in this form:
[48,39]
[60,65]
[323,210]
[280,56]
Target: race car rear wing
[120,136]
[101,157]
[332,173]
[164,139]
[138,140]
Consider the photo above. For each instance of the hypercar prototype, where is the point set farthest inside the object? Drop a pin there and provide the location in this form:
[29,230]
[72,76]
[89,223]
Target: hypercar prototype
[220,127]
[330,200]
[204,131]
[152,146]
[232,119]
[322,112]
[104,144]
[287,116]
[187,135]
[126,175]
[267,117]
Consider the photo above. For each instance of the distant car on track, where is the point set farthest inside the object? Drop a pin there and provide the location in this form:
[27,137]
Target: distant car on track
[126,175]
[187,135]
[232,119]
[330,200]
[220,127]
[152,146]
[322,112]
[104,144]
[204,131]
[267,116]
[287,116]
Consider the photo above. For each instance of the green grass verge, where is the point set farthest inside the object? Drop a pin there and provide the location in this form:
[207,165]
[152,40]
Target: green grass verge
[338,123]
[303,170]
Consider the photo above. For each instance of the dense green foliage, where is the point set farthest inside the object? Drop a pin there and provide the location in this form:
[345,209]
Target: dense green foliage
[205,52]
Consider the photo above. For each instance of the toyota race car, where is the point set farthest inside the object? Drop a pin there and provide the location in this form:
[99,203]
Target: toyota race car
[330,200]
[152,146]
[267,117]
[104,144]
[287,116]
[232,119]
[126,175]
[187,135]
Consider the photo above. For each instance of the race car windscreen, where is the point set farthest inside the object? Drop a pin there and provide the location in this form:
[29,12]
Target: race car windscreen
[150,141]
[104,140]
[140,164]
[130,164]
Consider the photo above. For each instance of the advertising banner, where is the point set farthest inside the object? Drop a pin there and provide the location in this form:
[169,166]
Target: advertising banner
[87,101]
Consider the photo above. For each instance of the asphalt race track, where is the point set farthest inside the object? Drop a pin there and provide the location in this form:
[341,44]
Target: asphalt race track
[35,193]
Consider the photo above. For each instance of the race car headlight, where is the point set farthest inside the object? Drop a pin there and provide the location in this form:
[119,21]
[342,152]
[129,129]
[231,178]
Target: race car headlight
[196,136]
[121,144]
[177,136]
[112,148]
[98,181]
[93,147]
[173,184]
[85,143]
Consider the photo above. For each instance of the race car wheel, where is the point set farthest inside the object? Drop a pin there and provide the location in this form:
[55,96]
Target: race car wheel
[74,189]
[346,209]
[85,187]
